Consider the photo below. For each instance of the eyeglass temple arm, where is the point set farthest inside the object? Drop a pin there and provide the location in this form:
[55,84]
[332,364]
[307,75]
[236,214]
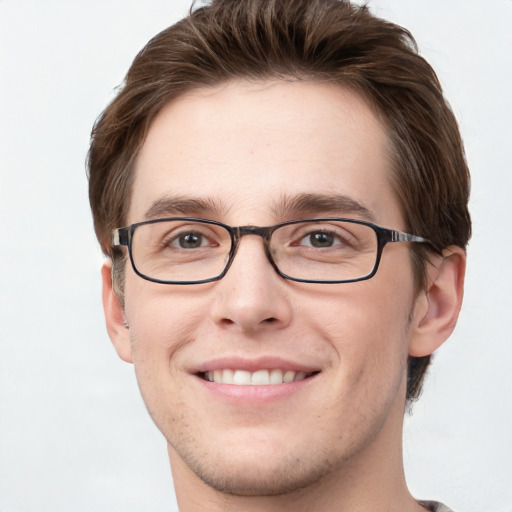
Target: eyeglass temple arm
[400,236]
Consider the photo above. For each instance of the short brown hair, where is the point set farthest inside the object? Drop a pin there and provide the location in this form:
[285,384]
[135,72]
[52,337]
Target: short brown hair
[324,40]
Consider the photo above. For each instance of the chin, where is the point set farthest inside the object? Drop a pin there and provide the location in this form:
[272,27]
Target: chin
[257,475]
[260,483]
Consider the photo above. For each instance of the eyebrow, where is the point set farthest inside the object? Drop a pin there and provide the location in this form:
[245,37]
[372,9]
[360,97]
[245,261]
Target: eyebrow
[286,206]
[182,205]
[317,204]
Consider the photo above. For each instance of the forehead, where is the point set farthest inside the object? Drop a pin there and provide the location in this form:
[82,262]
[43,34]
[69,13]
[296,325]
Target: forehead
[244,147]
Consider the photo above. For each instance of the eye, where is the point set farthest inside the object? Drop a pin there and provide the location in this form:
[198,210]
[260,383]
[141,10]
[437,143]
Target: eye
[320,239]
[189,240]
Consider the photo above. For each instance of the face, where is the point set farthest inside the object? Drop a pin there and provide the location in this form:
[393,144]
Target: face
[241,154]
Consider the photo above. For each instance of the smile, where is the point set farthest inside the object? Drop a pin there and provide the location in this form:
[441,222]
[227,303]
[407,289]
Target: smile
[257,378]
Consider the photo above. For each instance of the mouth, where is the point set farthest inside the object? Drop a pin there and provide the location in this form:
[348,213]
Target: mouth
[257,378]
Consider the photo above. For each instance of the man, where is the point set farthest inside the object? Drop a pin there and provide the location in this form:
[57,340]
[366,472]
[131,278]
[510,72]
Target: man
[281,191]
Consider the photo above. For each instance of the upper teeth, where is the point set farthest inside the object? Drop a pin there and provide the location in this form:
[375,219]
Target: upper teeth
[258,378]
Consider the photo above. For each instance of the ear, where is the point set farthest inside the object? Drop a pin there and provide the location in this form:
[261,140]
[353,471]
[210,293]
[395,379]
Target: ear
[437,307]
[117,328]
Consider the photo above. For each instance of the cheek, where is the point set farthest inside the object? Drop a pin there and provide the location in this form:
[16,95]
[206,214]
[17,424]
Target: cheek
[161,326]
[367,328]
[162,321]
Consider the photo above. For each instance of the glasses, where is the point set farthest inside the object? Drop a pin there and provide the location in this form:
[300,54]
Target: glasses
[192,251]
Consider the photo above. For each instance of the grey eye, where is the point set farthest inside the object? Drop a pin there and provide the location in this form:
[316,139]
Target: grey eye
[321,240]
[190,241]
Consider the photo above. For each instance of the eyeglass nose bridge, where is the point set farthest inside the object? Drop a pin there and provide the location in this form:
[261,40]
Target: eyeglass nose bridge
[263,232]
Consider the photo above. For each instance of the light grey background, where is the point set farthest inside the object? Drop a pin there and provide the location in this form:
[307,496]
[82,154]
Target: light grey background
[74,434]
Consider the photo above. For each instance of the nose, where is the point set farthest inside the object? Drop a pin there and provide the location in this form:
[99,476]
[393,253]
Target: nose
[252,297]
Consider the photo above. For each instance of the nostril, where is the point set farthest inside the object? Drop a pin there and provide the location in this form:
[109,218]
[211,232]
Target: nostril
[269,320]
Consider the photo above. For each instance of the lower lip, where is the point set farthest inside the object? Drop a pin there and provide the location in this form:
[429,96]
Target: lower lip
[254,395]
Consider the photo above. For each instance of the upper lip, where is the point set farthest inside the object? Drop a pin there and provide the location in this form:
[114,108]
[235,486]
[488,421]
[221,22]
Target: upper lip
[253,364]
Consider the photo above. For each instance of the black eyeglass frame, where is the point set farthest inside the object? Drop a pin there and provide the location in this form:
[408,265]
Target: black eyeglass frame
[124,237]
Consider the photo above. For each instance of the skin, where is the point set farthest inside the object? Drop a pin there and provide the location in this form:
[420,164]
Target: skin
[333,441]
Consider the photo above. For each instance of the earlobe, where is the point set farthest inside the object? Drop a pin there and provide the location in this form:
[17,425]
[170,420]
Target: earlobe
[437,307]
[117,326]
